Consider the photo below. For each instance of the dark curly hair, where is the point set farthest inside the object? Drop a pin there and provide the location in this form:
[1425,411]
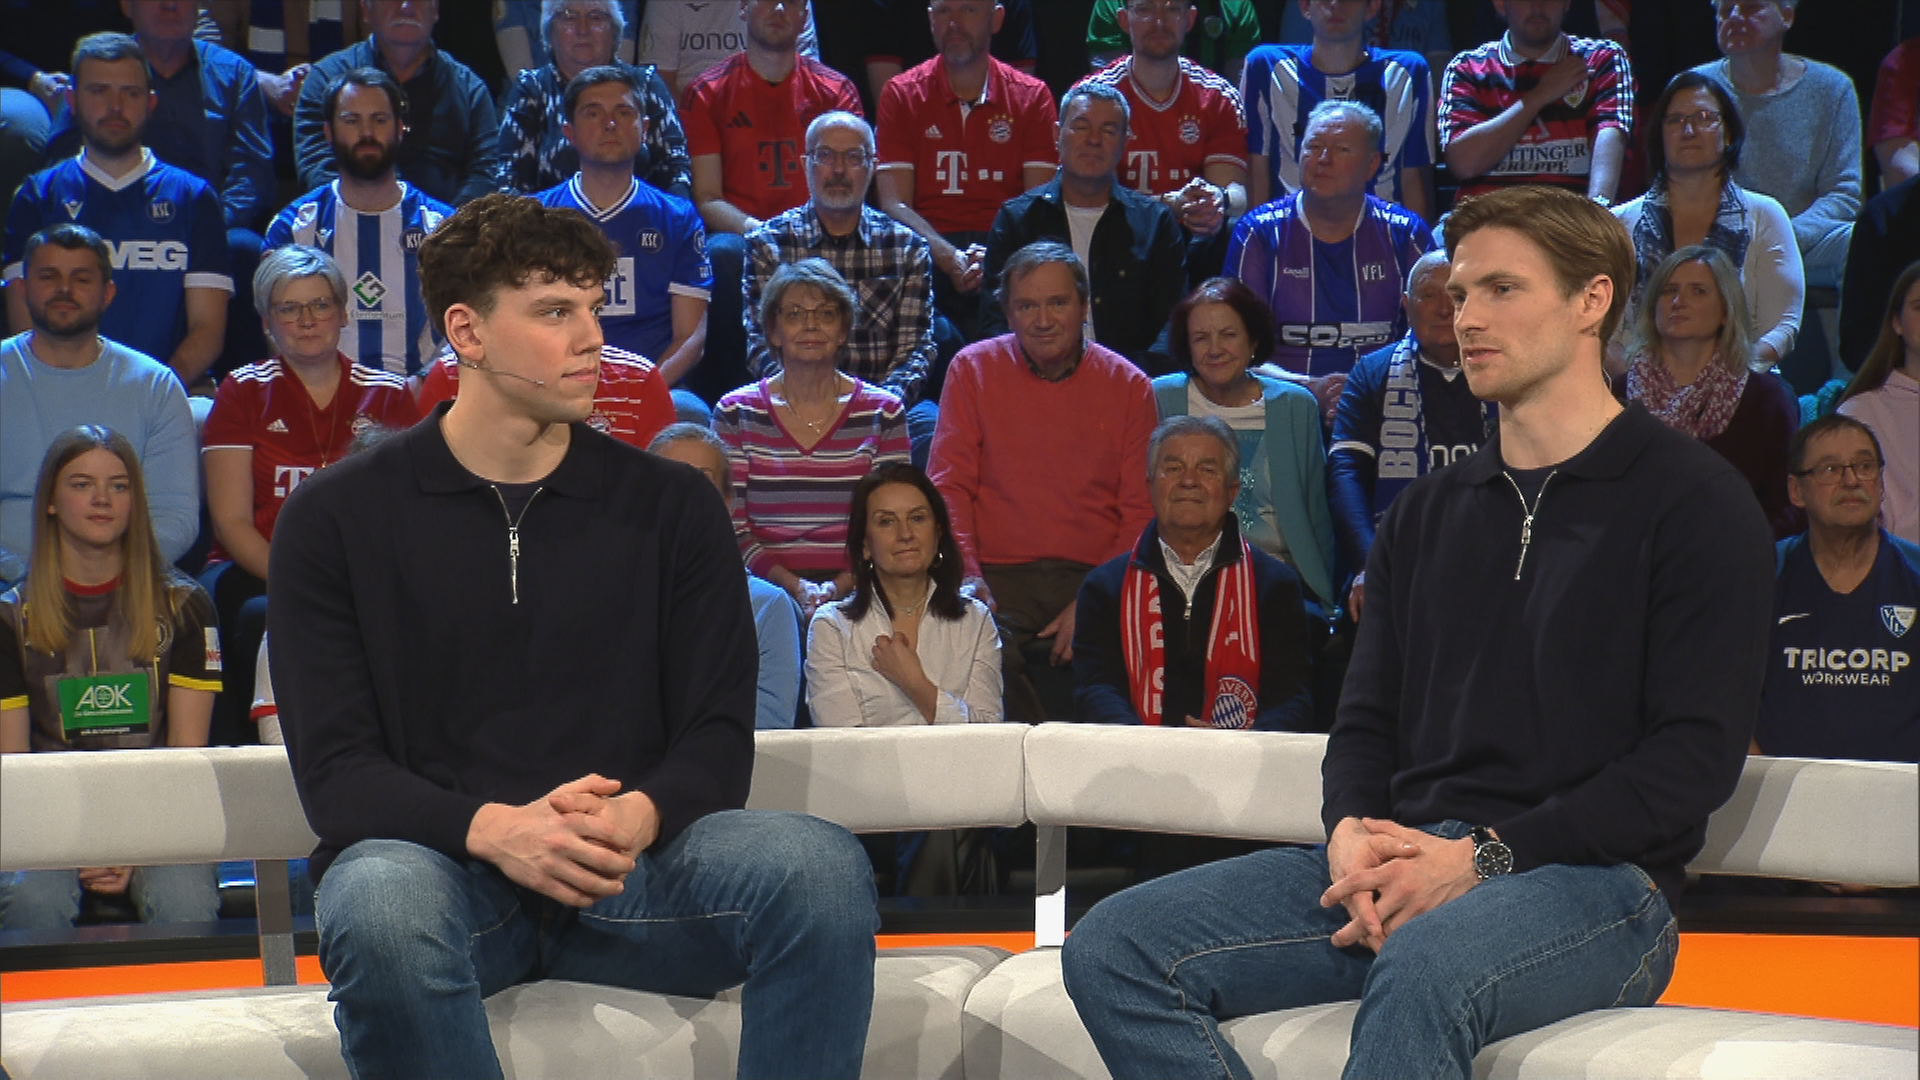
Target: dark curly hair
[946,573]
[502,242]
[1254,316]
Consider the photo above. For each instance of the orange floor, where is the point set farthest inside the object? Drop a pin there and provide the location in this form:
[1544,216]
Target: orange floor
[1846,978]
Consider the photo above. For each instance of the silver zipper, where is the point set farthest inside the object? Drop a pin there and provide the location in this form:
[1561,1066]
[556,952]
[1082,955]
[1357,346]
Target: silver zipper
[513,537]
[1526,524]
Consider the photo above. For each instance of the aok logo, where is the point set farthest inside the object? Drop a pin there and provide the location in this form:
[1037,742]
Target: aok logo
[148,255]
[104,700]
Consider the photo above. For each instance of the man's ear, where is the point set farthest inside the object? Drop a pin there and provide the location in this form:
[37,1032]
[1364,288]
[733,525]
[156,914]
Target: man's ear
[1595,298]
[1794,494]
[464,327]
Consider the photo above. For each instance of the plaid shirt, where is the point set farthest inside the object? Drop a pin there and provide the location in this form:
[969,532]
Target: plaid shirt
[535,156]
[890,270]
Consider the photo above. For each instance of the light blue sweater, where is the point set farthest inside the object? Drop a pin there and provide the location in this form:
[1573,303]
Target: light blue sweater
[124,390]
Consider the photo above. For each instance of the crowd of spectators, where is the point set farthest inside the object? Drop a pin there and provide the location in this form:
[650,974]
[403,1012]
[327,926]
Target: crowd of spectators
[985,382]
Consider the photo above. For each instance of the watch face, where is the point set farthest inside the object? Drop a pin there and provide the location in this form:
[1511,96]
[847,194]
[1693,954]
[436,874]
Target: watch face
[1492,859]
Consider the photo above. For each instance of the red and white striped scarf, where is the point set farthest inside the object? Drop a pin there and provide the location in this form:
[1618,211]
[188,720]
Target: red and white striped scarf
[1232,687]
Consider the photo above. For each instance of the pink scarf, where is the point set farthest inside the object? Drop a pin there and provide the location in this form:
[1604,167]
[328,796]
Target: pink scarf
[1232,684]
[1702,409]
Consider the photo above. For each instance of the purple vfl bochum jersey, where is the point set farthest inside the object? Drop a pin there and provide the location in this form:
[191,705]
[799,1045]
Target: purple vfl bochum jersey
[165,234]
[379,255]
[1331,302]
[663,253]
[1281,86]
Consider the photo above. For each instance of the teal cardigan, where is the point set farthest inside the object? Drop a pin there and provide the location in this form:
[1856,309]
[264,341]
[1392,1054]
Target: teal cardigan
[1296,470]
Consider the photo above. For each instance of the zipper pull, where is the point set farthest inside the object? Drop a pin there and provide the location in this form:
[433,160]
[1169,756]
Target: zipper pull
[513,560]
[1526,537]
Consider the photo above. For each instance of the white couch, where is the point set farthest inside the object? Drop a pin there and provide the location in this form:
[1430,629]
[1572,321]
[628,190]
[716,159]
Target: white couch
[968,1012]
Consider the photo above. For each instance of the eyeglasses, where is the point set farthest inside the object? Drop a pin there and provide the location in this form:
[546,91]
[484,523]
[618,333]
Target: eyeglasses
[1158,9]
[1865,470]
[316,309]
[856,158]
[592,20]
[826,315]
[1704,120]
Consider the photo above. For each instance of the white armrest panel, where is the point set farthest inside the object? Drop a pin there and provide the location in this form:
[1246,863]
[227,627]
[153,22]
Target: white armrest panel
[894,779]
[148,807]
[1851,821]
[1260,785]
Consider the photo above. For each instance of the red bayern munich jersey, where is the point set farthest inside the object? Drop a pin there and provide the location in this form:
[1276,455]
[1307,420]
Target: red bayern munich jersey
[759,128]
[1171,142]
[1557,148]
[632,403]
[968,159]
[265,408]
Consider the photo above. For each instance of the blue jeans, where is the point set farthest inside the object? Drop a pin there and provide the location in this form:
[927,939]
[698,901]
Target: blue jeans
[1153,970]
[413,940]
[50,899]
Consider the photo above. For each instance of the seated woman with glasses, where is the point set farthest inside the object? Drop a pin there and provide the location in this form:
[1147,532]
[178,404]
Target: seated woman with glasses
[1691,365]
[273,423]
[798,442]
[1691,154]
[102,647]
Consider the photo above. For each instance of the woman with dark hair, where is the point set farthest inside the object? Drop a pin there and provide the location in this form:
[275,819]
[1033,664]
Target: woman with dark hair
[1691,366]
[798,441]
[103,647]
[906,647]
[1691,152]
[1885,396]
[1219,332]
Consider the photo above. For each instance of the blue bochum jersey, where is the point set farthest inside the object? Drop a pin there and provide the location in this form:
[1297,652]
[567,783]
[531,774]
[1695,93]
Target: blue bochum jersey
[379,255]
[663,252]
[163,227]
[1841,681]
[1280,87]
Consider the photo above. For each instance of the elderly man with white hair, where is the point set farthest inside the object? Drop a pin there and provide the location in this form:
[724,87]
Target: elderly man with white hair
[1329,258]
[887,264]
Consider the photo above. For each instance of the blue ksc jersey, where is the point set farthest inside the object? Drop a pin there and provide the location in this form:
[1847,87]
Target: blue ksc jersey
[1331,302]
[1841,681]
[379,255]
[164,231]
[663,252]
[1281,86]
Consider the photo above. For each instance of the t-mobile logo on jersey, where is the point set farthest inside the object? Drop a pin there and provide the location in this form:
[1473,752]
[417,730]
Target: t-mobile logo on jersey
[779,160]
[1143,166]
[950,168]
[288,477]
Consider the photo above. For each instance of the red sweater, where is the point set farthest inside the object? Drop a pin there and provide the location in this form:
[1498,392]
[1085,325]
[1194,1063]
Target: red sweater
[1033,469]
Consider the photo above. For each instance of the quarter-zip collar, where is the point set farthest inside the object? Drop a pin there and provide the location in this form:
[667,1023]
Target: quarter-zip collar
[1608,456]
[580,474]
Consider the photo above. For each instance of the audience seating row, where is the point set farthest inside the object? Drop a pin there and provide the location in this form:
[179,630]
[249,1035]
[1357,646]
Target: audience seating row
[954,1012]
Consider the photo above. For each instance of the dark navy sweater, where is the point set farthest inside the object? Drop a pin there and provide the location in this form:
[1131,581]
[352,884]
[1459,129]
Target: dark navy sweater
[1593,703]
[413,688]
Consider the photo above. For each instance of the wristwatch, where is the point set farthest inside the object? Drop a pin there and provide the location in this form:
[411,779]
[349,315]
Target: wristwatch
[1491,858]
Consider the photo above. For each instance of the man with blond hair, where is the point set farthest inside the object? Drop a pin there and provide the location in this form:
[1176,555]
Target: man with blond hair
[1553,688]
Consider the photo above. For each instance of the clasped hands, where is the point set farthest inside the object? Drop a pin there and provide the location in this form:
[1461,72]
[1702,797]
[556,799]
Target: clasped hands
[1385,873]
[576,844]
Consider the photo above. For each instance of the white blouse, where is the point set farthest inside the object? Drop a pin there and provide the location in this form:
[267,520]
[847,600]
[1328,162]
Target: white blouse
[961,656]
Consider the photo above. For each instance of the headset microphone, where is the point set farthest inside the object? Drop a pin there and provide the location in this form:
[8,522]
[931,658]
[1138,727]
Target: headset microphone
[498,371]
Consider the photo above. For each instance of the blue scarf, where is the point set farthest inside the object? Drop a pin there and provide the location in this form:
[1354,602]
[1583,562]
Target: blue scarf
[1653,233]
[1403,452]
